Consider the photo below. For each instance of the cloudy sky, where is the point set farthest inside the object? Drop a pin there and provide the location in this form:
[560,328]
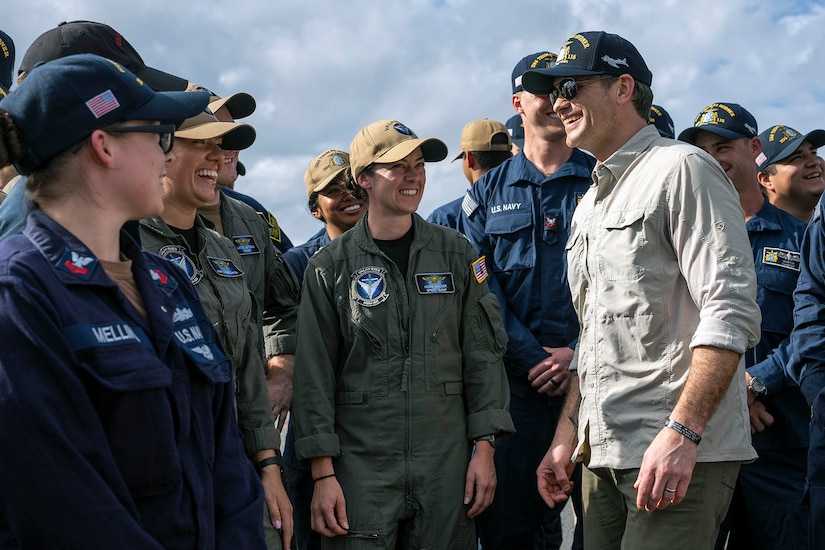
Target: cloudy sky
[322,69]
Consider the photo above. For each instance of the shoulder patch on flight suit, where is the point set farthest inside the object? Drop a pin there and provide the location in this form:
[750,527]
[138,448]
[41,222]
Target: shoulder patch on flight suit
[246,245]
[468,205]
[369,286]
[579,197]
[177,254]
[274,228]
[79,265]
[780,257]
[224,267]
[435,283]
[480,270]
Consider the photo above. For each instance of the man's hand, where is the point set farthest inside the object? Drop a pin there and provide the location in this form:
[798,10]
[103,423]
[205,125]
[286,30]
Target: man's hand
[480,484]
[551,376]
[328,508]
[277,502]
[759,415]
[667,468]
[554,473]
[279,370]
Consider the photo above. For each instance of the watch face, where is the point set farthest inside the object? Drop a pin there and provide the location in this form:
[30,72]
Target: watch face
[757,387]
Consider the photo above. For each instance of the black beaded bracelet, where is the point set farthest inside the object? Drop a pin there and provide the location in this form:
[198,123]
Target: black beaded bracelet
[684,430]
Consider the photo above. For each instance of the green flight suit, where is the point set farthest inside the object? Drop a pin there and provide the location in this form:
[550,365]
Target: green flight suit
[395,377]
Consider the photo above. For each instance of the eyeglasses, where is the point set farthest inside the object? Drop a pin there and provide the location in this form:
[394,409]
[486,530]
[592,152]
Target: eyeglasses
[166,133]
[339,189]
[569,87]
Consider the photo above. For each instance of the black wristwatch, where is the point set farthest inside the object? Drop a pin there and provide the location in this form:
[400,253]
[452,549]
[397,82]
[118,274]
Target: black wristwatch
[491,439]
[269,461]
[757,387]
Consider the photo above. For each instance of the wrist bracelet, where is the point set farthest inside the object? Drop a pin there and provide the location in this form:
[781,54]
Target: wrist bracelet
[319,478]
[269,461]
[684,430]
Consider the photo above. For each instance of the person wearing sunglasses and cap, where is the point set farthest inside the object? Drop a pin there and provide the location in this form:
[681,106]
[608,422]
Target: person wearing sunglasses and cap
[763,511]
[790,171]
[116,398]
[220,276]
[69,38]
[518,216]
[663,282]
[400,392]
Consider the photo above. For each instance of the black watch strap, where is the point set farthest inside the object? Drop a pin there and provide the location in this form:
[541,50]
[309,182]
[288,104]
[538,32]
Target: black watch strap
[270,461]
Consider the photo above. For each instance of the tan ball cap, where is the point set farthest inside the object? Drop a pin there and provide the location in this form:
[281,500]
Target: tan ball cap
[390,141]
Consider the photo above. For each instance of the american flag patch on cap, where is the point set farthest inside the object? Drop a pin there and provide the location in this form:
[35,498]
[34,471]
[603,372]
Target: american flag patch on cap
[103,103]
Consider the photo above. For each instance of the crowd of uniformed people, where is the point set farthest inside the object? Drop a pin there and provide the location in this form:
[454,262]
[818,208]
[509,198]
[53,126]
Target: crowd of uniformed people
[585,323]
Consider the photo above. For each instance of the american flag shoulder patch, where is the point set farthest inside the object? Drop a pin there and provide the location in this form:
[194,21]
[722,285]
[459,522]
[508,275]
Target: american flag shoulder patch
[480,269]
[102,103]
[468,205]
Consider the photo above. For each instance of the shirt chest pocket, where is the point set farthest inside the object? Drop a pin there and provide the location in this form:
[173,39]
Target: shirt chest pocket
[130,390]
[774,294]
[512,236]
[623,238]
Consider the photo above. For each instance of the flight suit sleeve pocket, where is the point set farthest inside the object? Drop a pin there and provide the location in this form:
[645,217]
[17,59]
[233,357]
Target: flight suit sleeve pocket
[453,388]
[488,327]
[352,398]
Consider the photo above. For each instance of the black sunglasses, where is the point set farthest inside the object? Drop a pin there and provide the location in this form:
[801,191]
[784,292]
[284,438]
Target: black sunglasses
[165,131]
[569,87]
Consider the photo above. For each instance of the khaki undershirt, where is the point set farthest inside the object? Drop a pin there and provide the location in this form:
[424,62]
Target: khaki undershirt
[121,273]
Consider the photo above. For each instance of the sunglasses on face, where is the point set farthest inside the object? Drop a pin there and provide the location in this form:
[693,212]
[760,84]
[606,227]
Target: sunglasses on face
[166,133]
[569,87]
[340,188]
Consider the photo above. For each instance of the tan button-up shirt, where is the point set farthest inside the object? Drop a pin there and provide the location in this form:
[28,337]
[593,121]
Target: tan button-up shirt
[659,262]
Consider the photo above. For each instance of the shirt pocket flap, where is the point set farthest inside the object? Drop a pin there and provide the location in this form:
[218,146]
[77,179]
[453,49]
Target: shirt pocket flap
[511,222]
[622,218]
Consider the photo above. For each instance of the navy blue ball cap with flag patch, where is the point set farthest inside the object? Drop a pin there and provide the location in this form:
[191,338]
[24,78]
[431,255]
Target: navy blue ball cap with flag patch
[6,63]
[779,142]
[62,102]
[590,53]
[726,120]
[538,60]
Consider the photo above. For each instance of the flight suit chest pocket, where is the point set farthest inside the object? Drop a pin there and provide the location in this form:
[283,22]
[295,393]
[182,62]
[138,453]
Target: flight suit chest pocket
[512,235]
[621,254]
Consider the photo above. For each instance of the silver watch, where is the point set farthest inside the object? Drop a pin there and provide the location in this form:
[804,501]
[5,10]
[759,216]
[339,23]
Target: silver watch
[757,387]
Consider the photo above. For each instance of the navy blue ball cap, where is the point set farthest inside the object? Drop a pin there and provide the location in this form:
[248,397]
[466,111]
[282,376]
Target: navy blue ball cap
[590,53]
[538,60]
[74,37]
[662,121]
[779,142]
[516,128]
[727,120]
[6,63]
[62,102]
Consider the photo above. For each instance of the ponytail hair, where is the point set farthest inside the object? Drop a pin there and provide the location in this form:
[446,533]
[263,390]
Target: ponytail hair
[11,142]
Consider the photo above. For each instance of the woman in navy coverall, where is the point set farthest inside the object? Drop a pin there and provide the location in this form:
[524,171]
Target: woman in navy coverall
[116,401]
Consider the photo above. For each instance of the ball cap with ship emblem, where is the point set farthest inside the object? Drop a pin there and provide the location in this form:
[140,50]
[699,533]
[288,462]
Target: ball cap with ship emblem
[590,53]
